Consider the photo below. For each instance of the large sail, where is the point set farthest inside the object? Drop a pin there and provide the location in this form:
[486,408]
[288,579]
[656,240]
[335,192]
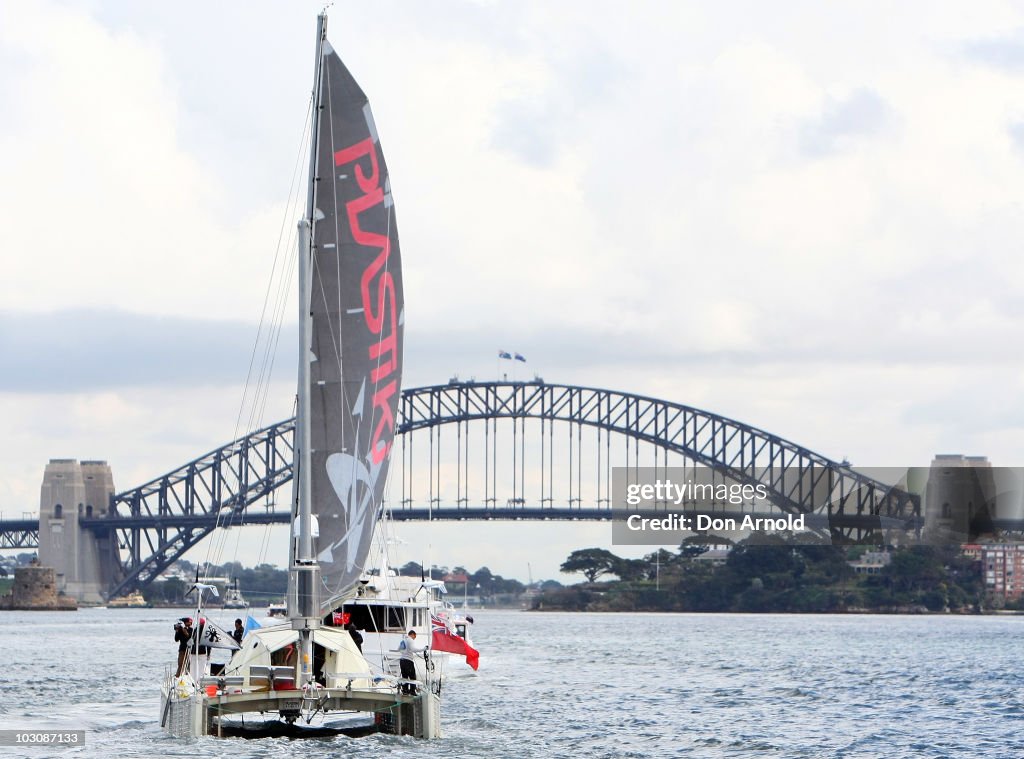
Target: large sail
[357,323]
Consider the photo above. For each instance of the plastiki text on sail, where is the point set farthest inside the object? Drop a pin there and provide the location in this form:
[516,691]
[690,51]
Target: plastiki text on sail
[377,288]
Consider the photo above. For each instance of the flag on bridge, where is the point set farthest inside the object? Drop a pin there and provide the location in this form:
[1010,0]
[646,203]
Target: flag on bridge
[505,354]
[443,639]
[520,357]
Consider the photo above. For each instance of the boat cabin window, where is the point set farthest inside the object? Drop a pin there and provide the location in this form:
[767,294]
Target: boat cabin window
[376,618]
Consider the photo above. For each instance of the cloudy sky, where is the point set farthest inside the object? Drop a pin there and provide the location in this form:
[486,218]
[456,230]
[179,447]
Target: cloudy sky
[804,216]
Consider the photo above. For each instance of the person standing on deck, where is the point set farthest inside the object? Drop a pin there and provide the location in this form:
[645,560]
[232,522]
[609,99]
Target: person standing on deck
[182,636]
[408,649]
[239,632]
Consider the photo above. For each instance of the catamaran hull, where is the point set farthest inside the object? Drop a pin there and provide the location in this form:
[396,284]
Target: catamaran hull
[183,717]
[198,715]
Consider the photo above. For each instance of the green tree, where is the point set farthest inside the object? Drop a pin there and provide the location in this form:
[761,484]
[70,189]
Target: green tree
[915,568]
[591,562]
[692,550]
[631,570]
[411,569]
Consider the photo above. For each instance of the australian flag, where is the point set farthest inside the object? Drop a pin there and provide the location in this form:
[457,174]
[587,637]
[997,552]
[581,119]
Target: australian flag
[520,357]
[505,354]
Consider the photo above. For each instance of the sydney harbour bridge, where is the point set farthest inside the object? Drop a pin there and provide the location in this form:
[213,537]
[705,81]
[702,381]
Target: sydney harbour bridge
[504,450]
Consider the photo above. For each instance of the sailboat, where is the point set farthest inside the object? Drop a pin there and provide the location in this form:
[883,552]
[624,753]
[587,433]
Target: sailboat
[349,382]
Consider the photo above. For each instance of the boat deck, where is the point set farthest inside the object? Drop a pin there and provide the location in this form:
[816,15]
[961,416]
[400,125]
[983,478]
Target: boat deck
[329,699]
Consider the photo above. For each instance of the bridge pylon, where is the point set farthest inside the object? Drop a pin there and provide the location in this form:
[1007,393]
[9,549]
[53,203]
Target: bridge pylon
[82,559]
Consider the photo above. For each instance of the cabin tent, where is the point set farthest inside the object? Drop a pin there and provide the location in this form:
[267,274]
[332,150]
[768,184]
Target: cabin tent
[342,660]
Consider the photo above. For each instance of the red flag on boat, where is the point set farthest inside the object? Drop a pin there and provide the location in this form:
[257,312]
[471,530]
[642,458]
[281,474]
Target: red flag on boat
[443,639]
[340,618]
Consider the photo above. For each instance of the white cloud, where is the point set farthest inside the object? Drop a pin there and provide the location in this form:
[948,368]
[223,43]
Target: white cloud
[805,218]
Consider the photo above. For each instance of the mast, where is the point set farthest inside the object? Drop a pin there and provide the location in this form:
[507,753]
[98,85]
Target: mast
[304,578]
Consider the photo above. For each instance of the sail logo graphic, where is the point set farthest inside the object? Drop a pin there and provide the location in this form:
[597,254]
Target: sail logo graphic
[377,290]
[355,486]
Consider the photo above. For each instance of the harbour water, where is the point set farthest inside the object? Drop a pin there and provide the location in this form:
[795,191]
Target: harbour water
[594,685]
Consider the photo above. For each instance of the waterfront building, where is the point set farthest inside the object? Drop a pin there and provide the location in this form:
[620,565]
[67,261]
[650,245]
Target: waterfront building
[871,563]
[1002,566]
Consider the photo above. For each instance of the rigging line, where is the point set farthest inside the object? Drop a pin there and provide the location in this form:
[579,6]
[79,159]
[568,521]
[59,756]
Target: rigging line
[266,299]
[283,292]
[259,415]
[261,393]
[270,348]
[265,545]
[277,252]
[272,344]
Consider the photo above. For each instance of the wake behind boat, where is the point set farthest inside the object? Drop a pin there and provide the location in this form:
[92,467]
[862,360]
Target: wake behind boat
[351,304]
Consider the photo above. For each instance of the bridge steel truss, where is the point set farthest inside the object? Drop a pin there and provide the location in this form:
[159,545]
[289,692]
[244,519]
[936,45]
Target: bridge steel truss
[853,506]
[159,521]
[19,533]
[169,515]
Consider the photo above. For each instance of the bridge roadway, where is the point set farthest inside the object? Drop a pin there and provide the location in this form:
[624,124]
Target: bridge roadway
[23,533]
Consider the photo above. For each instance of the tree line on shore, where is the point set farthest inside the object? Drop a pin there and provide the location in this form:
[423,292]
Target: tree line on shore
[777,574]
[267,582]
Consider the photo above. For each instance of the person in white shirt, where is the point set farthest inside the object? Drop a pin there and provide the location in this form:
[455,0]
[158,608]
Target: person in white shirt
[408,648]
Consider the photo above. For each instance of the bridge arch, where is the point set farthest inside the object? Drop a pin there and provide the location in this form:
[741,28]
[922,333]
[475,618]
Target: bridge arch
[794,476]
[157,522]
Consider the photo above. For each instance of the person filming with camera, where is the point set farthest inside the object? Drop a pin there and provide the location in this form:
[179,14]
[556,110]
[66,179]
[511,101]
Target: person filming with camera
[182,635]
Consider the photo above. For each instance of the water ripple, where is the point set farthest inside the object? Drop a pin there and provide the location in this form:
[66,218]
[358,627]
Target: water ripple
[595,685]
